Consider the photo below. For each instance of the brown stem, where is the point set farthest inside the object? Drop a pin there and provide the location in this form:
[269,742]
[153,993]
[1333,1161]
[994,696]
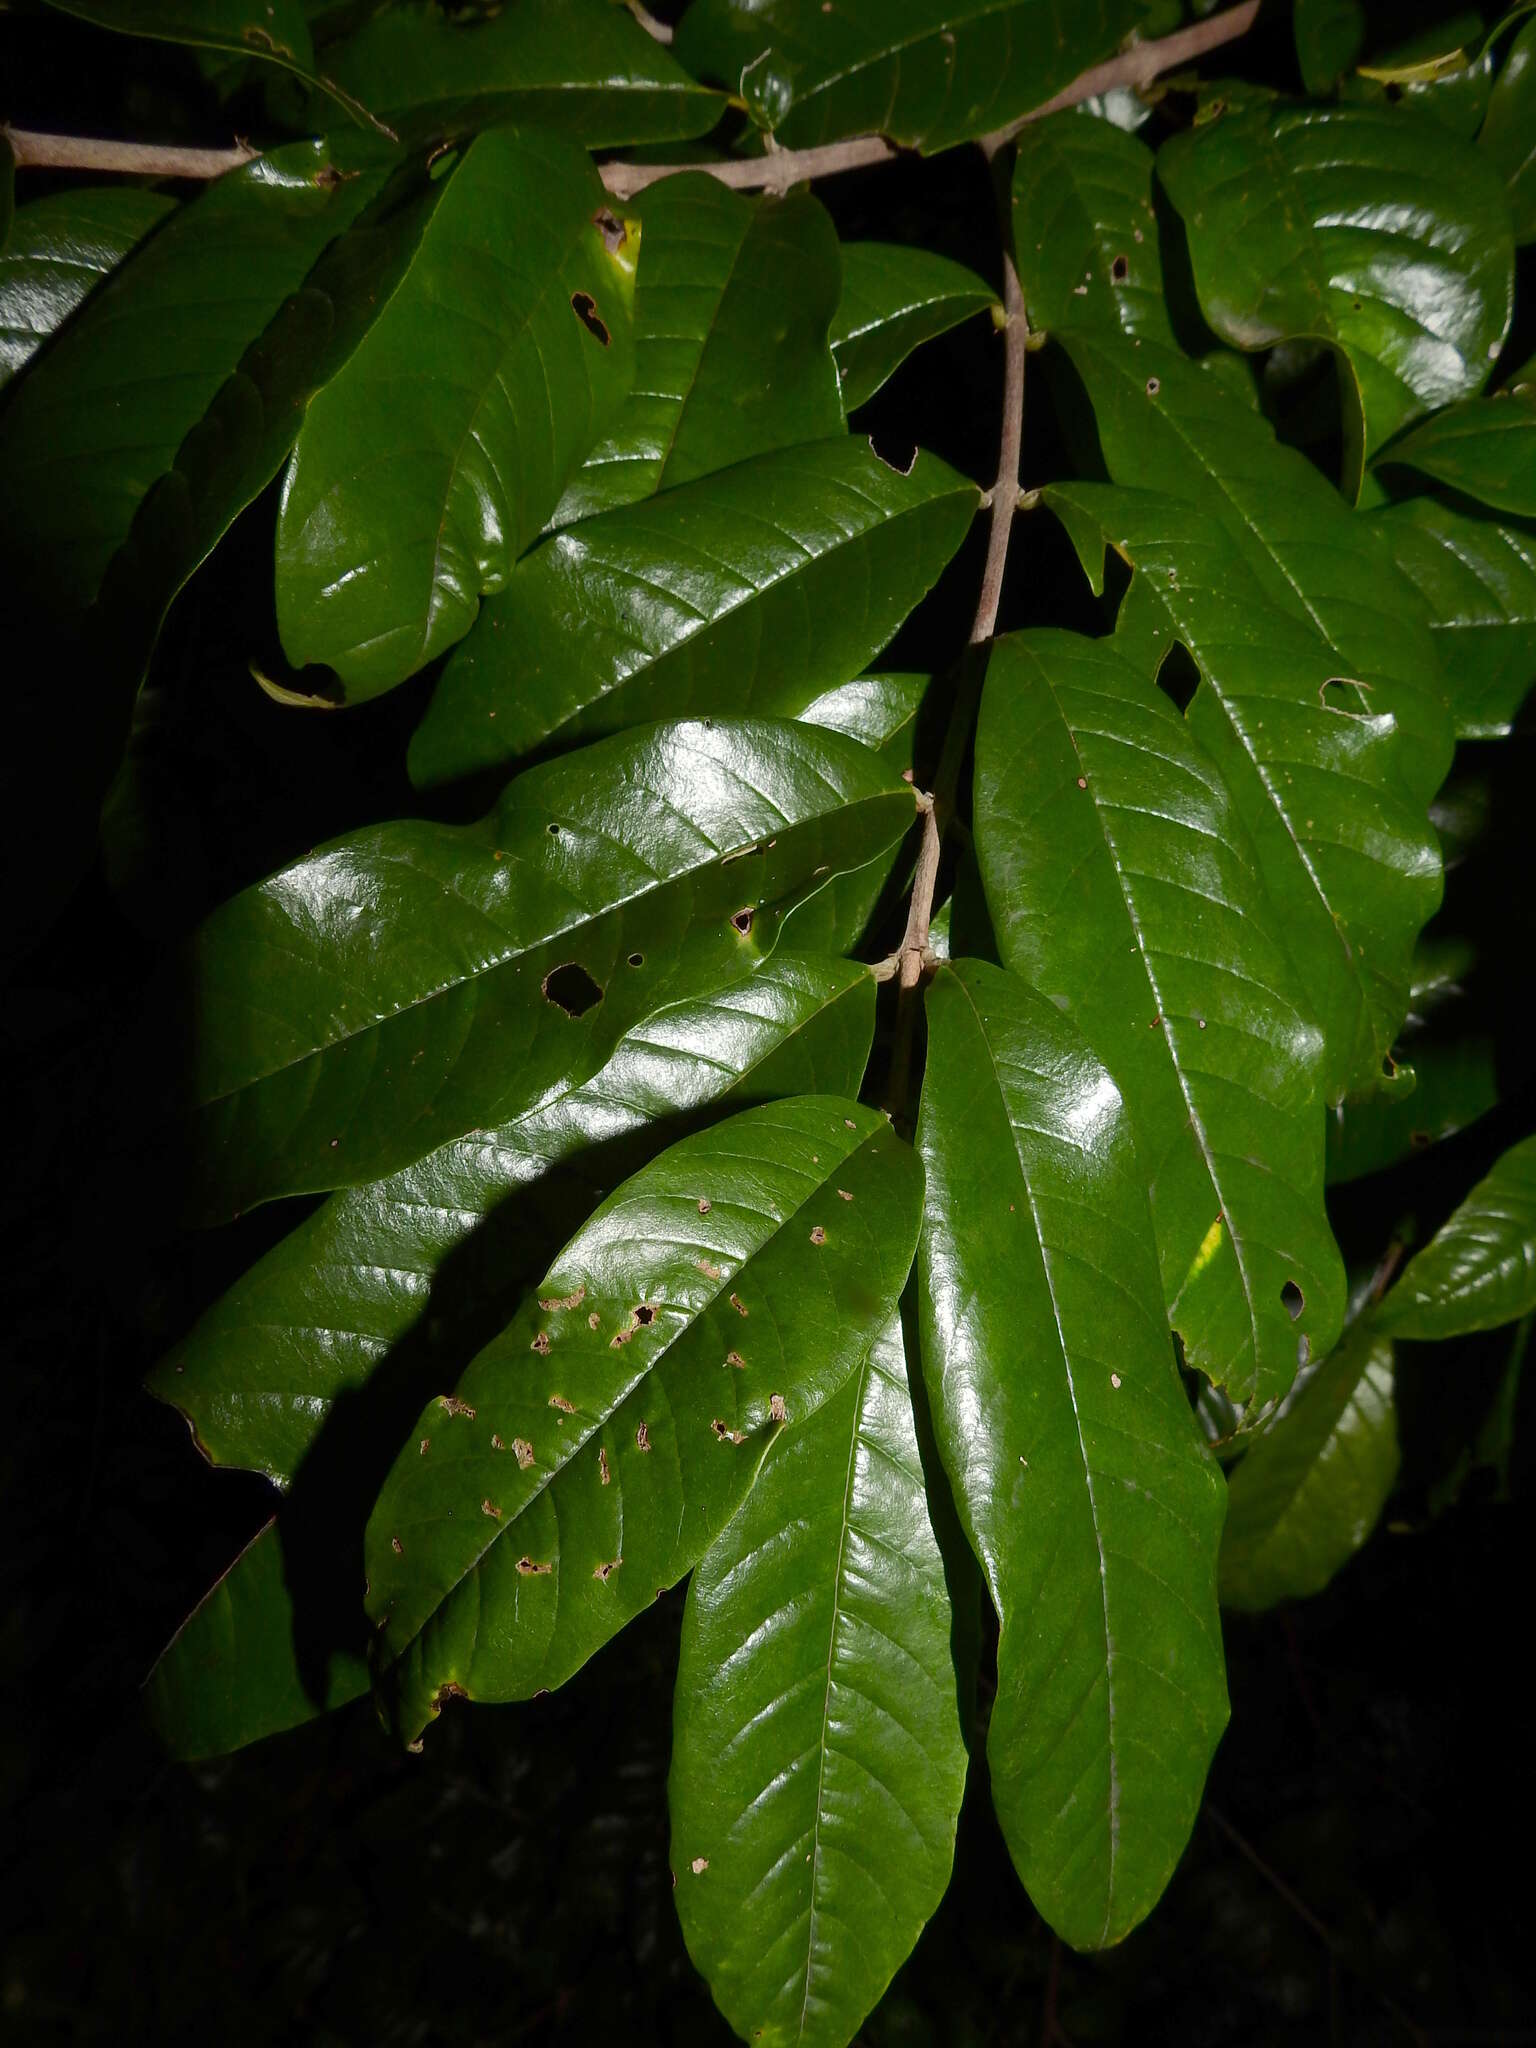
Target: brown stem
[135,159]
[774,172]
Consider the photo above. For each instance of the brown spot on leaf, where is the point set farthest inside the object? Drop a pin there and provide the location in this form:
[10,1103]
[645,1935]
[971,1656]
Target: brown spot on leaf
[426,1443]
[736,1361]
[496,1442]
[1154,385]
[584,306]
[611,228]
[523,1450]
[776,1409]
[843,1195]
[643,1314]
[559,1401]
[489,1507]
[726,1434]
[742,919]
[594,1320]
[704,1205]
[540,1343]
[559,1301]
[602,1465]
[643,1436]
[606,1571]
[708,1268]
[397,1546]
[699,1865]
[452,1405]
[530,1570]
[738,1304]
[818,1235]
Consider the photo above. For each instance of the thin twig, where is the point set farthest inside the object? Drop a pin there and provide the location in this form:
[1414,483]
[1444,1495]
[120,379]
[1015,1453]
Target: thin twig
[1005,492]
[135,159]
[774,172]
[661,30]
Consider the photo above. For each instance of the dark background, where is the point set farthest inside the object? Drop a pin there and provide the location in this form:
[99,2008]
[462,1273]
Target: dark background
[1360,1871]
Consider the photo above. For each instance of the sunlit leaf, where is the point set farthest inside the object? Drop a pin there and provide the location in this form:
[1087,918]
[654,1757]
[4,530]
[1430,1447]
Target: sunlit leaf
[1076,1465]
[818,1755]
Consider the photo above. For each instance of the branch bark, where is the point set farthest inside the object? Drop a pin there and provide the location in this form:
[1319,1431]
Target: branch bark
[775,171]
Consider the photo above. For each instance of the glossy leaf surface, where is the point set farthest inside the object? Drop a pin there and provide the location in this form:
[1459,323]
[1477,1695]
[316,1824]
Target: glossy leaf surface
[1454,1083]
[1484,448]
[1477,578]
[592,1453]
[260,1374]
[928,73]
[818,1755]
[103,415]
[501,354]
[413,981]
[732,306]
[1509,132]
[1085,235]
[1076,1466]
[58,251]
[740,591]
[1311,1488]
[1386,238]
[232,1673]
[581,68]
[1479,1269]
[893,300]
[1122,884]
[1321,698]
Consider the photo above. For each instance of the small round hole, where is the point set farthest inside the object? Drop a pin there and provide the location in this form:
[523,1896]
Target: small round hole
[1294,1299]
[637,959]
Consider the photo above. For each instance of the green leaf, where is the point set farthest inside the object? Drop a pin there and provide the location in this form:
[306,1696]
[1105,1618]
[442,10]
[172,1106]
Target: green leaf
[894,299]
[1311,1488]
[1122,885]
[927,73]
[818,1755]
[1330,37]
[235,1672]
[314,1364]
[1387,239]
[1320,698]
[1485,448]
[498,359]
[1509,131]
[746,590]
[60,248]
[276,30]
[260,1375]
[1077,1467]
[413,981]
[106,412]
[1454,1083]
[580,68]
[591,1455]
[1477,578]
[732,306]
[1479,1269]
[1085,235]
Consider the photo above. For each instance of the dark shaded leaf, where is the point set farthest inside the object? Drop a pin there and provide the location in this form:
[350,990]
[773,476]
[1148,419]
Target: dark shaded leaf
[747,590]
[1311,1488]
[1330,36]
[1484,448]
[60,248]
[1077,1467]
[928,73]
[1122,885]
[591,1455]
[499,357]
[1509,132]
[894,299]
[732,306]
[1387,239]
[1454,1083]
[580,68]
[1479,1269]
[1477,578]
[260,1374]
[519,950]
